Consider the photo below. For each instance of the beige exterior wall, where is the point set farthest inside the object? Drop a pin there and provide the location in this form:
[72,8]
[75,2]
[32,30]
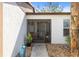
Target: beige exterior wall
[1,29]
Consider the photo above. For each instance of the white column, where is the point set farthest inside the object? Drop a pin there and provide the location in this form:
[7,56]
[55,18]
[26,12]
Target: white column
[35,26]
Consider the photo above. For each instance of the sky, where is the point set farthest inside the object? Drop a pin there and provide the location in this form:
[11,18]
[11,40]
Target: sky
[65,5]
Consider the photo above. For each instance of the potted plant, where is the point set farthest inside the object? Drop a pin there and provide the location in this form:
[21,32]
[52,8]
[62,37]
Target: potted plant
[28,44]
[28,40]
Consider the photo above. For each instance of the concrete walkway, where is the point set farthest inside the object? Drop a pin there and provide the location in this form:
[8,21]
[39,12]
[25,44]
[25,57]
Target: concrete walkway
[39,50]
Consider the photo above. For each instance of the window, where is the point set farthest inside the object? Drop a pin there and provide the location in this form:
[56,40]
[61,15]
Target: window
[66,26]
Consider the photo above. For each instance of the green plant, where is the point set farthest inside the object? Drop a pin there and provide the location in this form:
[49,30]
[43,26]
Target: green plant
[68,40]
[29,38]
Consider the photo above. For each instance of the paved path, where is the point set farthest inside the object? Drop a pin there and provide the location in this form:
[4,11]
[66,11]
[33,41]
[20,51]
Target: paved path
[39,50]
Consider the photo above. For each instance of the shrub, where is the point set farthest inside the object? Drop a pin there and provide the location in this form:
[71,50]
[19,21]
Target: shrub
[29,38]
[68,40]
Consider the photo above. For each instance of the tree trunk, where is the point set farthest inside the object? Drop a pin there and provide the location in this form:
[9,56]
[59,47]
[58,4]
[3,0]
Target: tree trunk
[74,25]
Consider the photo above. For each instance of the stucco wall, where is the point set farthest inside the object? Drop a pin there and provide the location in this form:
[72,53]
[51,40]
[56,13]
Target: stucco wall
[14,29]
[57,31]
[57,36]
[1,30]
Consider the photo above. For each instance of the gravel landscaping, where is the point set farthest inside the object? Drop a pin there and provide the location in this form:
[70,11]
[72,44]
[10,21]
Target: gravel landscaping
[60,50]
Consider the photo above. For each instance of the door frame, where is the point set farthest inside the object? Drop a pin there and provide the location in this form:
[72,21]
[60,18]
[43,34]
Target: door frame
[41,20]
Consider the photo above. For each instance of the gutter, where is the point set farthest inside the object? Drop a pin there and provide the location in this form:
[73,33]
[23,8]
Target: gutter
[29,3]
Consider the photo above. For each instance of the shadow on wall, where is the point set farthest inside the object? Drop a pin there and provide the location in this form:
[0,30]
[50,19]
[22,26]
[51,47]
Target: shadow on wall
[20,38]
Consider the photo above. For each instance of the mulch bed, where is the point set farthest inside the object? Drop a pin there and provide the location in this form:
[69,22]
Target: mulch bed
[60,50]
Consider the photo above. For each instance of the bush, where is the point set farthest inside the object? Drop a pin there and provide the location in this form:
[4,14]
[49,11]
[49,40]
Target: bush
[29,38]
[68,40]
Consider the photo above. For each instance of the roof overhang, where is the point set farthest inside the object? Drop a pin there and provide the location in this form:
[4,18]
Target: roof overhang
[26,6]
[55,13]
[29,3]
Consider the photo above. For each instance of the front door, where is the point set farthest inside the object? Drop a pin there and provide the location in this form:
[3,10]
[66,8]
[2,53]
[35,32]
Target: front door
[41,30]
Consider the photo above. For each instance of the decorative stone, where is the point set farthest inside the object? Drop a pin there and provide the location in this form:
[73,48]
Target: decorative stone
[60,50]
